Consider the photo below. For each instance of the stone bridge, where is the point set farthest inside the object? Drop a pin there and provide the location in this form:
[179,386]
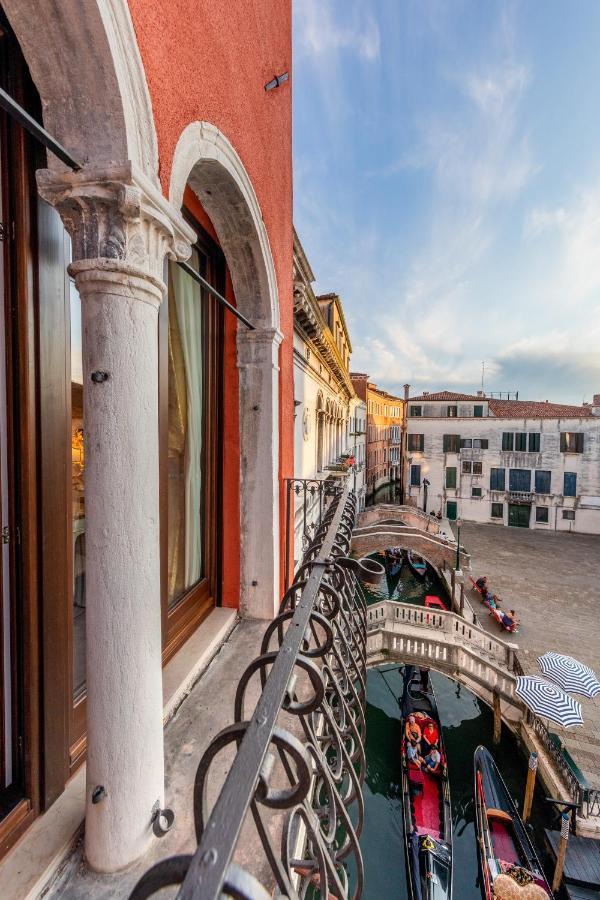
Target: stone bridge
[405,515]
[444,641]
[437,550]
[487,666]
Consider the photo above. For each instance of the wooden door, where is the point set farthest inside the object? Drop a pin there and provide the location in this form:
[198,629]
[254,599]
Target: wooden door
[519,515]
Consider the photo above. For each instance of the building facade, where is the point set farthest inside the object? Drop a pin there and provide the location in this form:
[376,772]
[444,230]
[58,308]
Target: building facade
[323,392]
[144,427]
[357,446]
[384,433]
[510,462]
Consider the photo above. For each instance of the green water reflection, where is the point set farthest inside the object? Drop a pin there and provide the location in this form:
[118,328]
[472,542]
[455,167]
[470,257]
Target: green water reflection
[405,589]
[467,722]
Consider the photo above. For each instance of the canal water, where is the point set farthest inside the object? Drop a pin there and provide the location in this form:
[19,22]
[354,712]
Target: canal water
[467,722]
[406,589]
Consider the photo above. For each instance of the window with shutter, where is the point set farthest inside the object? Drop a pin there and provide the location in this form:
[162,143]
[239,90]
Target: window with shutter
[508,440]
[542,481]
[534,442]
[416,442]
[520,442]
[570,484]
[519,479]
[451,476]
[497,479]
[452,443]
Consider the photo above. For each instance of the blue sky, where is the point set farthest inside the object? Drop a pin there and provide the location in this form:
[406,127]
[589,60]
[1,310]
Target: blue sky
[447,186]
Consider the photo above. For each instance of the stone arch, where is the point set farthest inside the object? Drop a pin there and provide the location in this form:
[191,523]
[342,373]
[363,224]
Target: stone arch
[510,712]
[205,160]
[84,59]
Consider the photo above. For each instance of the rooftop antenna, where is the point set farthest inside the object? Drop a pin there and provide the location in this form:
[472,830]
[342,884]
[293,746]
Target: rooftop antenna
[482,373]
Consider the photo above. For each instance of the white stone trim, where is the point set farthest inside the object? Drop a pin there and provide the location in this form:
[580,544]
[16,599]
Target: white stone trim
[86,64]
[142,142]
[201,143]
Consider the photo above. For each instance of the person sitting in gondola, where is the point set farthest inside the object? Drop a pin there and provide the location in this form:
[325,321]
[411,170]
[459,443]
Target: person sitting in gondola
[492,600]
[433,760]
[412,754]
[413,730]
[430,736]
[482,584]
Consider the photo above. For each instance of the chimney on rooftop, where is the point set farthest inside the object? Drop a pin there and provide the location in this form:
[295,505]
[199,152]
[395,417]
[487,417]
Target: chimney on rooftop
[480,394]
[406,391]
[596,405]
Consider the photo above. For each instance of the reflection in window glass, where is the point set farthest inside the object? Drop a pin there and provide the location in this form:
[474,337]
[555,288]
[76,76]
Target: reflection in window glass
[77,497]
[185,431]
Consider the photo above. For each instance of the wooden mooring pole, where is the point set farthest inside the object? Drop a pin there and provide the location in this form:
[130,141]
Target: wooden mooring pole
[462,598]
[562,849]
[531,775]
[497,716]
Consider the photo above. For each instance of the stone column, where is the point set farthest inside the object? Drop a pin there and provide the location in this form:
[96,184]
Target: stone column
[120,238]
[258,364]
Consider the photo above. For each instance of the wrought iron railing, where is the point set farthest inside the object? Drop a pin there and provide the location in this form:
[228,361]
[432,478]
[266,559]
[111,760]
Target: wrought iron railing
[587,798]
[308,498]
[299,763]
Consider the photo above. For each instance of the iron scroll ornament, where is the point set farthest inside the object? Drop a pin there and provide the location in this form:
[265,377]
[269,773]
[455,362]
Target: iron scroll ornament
[297,775]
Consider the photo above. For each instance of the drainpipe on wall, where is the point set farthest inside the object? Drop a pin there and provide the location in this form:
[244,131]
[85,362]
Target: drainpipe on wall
[403,475]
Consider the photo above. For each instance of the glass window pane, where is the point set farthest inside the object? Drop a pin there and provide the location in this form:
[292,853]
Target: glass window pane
[186,423]
[77,496]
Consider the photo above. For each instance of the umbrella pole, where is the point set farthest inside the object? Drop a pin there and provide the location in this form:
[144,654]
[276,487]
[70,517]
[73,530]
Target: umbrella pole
[531,775]
[562,849]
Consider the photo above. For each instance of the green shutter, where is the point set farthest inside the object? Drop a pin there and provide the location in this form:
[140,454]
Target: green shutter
[451,476]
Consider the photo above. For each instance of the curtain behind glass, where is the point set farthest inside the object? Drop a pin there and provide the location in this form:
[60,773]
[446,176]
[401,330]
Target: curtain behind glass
[185,430]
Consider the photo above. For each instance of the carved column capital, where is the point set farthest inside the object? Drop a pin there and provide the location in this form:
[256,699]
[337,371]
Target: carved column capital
[117,215]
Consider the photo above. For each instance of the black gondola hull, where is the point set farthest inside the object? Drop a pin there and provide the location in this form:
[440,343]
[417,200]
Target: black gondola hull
[428,852]
[503,844]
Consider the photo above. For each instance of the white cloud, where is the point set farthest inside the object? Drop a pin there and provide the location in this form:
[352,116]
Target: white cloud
[573,267]
[320,33]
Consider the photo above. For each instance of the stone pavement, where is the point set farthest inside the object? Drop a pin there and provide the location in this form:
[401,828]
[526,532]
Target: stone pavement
[552,580]
[207,709]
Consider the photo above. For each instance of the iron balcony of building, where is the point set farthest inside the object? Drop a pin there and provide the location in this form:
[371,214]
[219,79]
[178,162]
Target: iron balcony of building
[300,763]
[520,496]
[312,496]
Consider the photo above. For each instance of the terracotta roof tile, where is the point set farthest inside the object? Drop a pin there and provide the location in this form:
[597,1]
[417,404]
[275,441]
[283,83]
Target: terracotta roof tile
[536,409]
[446,395]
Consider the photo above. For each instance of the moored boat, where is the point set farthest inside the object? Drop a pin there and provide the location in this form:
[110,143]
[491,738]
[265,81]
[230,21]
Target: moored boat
[393,561]
[432,602]
[425,798]
[417,564]
[506,855]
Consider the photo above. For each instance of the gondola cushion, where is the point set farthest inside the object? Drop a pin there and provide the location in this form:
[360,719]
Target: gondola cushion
[507,888]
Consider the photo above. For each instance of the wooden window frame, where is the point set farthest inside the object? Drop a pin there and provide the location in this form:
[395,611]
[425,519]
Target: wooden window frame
[496,505]
[179,623]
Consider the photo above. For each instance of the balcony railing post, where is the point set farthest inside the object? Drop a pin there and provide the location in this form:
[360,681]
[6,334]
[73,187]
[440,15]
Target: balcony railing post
[316,673]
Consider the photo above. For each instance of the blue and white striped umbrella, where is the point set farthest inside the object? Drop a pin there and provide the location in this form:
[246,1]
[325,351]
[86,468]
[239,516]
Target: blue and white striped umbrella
[569,674]
[547,700]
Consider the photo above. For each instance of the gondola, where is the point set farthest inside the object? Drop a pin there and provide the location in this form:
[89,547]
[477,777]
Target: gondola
[506,854]
[417,564]
[393,561]
[425,801]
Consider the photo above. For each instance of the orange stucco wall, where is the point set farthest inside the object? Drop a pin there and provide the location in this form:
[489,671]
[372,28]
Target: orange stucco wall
[208,60]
